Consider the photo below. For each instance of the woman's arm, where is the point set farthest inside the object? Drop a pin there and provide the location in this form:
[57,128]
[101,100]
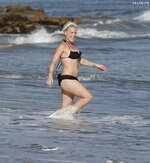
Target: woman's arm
[86,62]
[59,50]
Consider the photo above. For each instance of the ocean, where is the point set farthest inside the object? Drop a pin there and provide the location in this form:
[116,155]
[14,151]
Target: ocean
[115,126]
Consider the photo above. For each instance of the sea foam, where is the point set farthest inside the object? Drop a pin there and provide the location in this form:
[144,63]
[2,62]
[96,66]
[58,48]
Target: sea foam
[94,33]
[37,36]
[42,36]
[145,16]
[66,113]
[88,33]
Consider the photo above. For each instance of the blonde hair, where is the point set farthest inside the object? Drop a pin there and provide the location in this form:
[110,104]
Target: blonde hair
[69,24]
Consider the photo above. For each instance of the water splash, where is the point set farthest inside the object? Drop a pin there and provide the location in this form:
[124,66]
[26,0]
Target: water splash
[66,113]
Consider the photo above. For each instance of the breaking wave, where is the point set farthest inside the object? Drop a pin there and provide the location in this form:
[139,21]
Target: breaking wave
[42,36]
[107,27]
[37,36]
[94,33]
[88,33]
[145,16]
[107,20]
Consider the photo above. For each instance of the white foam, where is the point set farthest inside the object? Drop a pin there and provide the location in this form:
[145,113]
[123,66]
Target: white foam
[145,16]
[108,21]
[48,149]
[109,161]
[94,33]
[37,36]
[93,77]
[125,120]
[12,76]
[88,33]
[42,36]
[66,113]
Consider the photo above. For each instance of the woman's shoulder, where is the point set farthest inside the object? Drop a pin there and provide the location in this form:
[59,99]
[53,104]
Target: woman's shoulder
[61,45]
[61,48]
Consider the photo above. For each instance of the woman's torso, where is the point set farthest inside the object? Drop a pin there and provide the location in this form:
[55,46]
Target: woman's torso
[70,60]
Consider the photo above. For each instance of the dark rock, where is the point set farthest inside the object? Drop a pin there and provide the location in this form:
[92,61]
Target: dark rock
[19,19]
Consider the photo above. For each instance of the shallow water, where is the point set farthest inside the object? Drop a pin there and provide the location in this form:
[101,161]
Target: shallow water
[114,127]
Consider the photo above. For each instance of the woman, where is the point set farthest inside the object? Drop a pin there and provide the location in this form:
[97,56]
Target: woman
[70,57]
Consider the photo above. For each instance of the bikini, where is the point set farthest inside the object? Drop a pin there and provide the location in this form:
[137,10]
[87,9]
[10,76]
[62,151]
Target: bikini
[72,55]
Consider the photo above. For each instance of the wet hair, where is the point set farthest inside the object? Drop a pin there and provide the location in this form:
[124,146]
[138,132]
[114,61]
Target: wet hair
[69,24]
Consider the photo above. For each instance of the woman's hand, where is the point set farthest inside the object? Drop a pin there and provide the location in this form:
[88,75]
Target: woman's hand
[101,67]
[49,81]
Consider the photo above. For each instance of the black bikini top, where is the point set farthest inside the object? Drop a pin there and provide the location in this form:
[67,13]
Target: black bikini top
[73,54]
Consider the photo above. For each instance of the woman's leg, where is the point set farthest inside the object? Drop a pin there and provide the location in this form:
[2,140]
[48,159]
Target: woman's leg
[67,98]
[75,88]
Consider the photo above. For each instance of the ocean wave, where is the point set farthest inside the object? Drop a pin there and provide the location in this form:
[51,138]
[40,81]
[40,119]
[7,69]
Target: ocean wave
[23,76]
[88,33]
[112,23]
[37,36]
[125,120]
[145,16]
[20,76]
[87,77]
[107,20]
[41,147]
[42,36]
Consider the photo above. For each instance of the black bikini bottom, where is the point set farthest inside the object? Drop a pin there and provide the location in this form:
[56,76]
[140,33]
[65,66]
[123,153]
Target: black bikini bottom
[63,77]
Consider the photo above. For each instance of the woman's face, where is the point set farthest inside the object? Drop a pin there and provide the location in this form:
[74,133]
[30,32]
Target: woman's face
[70,34]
